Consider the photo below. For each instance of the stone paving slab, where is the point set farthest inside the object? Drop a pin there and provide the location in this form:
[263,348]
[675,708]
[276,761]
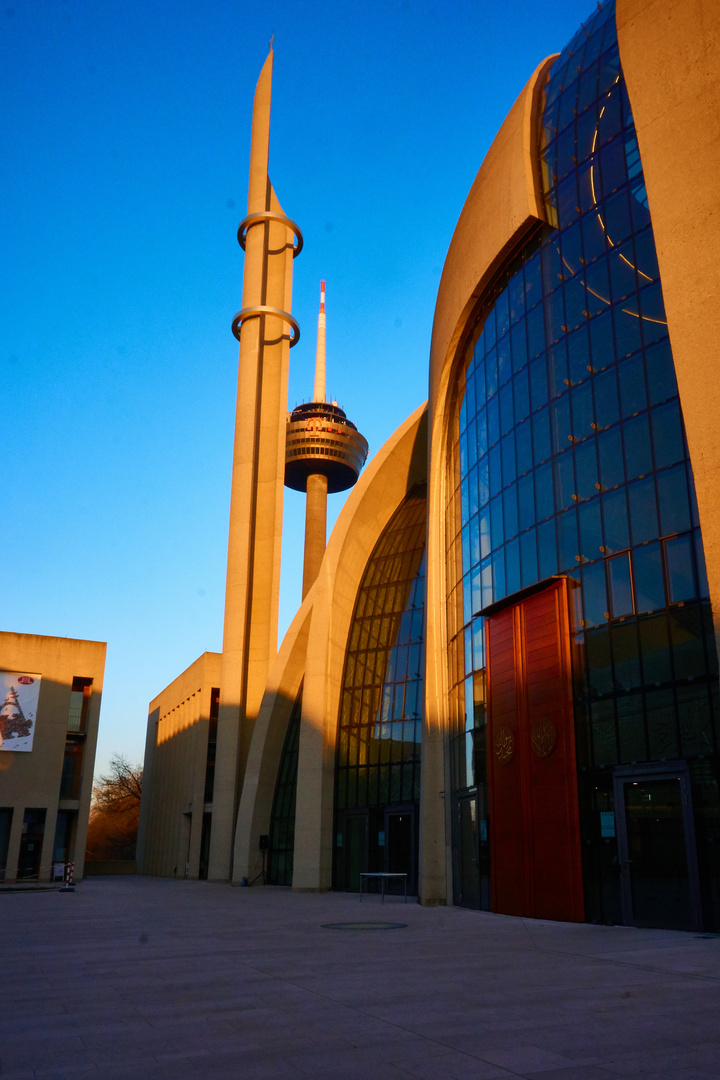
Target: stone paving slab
[145,978]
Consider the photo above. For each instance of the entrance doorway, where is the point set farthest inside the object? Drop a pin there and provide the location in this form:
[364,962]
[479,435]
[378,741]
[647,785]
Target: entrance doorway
[472,881]
[400,848]
[352,850]
[31,844]
[656,847]
[205,846]
[534,827]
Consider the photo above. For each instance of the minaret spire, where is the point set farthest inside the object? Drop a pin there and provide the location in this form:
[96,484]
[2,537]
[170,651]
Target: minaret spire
[262,327]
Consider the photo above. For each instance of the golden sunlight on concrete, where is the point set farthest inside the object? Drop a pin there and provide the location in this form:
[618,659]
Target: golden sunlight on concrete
[670,61]
[253,572]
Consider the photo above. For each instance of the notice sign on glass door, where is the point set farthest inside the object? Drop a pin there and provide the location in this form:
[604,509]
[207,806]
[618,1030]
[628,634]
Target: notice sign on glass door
[19,693]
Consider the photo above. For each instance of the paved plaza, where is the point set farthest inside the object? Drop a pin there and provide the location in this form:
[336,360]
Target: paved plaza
[149,978]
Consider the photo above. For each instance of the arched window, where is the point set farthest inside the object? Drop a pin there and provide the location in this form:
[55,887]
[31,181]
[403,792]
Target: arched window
[377,786]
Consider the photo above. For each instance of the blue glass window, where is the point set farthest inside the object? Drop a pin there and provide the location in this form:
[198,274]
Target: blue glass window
[588,472]
[378,749]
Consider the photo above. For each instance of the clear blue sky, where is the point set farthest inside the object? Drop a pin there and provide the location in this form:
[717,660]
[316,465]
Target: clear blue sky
[125,143]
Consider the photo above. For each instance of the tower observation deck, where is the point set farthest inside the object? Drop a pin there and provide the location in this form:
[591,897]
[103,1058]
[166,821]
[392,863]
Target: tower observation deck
[324,453]
[321,439]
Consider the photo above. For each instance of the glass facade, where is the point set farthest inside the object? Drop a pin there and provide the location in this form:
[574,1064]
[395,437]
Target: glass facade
[569,457]
[378,750]
[282,821]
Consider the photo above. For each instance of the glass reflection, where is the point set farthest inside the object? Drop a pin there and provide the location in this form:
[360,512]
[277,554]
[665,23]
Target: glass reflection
[597,481]
[382,701]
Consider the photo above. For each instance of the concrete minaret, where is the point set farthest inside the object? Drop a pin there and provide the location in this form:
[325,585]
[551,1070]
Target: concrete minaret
[263,328]
[324,453]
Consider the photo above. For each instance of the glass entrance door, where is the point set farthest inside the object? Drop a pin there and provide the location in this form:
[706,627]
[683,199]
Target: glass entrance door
[469,875]
[400,848]
[656,847]
[473,857]
[352,850]
[31,844]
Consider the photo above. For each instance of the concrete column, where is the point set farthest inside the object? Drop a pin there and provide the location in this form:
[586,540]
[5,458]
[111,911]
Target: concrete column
[13,854]
[253,571]
[315,529]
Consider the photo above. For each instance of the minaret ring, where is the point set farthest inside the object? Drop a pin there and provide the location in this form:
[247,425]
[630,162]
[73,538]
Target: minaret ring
[269,215]
[263,309]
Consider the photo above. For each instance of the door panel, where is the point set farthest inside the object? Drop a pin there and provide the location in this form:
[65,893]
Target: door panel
[469,870]
[532,772]
[352,853]
[505,780]
[31,844]
[400,848]
[656,847]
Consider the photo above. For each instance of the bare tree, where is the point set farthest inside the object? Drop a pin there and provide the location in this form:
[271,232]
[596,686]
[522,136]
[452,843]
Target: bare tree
[115,812]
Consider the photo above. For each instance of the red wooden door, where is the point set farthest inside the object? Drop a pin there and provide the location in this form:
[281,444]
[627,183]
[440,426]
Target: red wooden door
[534,828]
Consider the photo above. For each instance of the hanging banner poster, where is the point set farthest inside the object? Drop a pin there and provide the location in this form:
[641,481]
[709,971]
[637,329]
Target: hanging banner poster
[19,696]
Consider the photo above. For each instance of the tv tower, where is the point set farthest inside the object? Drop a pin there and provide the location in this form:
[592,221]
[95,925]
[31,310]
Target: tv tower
[324,453]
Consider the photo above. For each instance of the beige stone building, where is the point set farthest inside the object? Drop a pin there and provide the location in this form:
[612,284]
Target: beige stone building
[179,772]
[52,688]
[503,680]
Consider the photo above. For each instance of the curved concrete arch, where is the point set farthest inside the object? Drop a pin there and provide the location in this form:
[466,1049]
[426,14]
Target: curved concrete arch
[504,205]
[396,468]
[668,53]
[258,792]
[313,653]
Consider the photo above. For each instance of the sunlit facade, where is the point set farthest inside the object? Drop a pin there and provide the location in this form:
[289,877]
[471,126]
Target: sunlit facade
[570,459]
[49,716]
[504,681]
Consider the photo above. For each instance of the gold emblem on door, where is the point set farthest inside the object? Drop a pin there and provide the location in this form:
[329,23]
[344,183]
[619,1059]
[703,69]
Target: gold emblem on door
[543,737]
[504,746]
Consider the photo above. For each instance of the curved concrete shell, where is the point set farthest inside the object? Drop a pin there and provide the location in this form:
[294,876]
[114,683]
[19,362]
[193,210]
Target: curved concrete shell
[668,55]
[323,619]
[504,204]
[670,61]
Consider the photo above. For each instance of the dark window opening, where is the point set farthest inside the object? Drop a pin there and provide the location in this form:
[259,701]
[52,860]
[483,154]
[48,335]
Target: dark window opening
[71,771]
[31,844]
[80,694]
[212,745]
[282,821]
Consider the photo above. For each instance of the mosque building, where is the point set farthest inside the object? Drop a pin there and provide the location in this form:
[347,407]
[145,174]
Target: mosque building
[502,681]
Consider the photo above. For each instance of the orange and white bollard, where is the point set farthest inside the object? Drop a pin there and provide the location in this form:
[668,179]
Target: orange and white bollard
[69,872]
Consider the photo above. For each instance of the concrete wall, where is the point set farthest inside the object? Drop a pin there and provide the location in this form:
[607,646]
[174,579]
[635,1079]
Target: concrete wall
[172,806]
[670,53]
[32,779]
[255,811]
[505,203]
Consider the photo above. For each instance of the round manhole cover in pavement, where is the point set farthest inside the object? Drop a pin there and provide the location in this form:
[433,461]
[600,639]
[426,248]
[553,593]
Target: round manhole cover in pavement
[363,925]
